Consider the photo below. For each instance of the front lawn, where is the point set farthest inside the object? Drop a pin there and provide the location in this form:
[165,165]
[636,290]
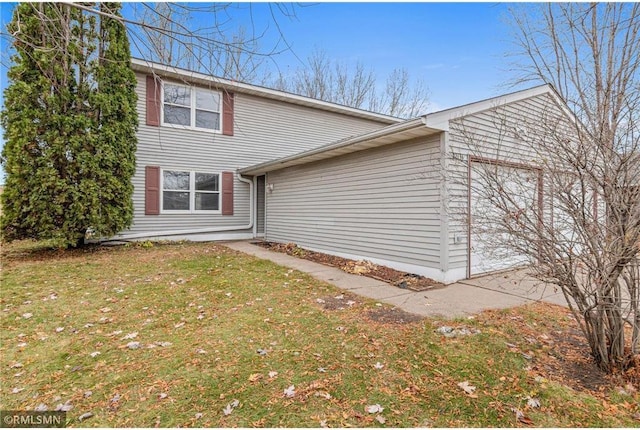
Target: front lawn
[199,335]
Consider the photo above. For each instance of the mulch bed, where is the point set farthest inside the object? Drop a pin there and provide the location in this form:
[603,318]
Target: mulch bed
[364,268]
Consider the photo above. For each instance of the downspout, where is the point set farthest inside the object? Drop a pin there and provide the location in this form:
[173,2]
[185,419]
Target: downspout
[200,230]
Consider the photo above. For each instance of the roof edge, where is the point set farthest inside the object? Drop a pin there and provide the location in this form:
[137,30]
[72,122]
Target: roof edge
[146,66]
[440,119]
[432,122]
[376,134]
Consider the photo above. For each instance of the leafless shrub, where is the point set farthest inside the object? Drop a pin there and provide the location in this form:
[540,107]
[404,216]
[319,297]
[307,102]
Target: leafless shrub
[561,188]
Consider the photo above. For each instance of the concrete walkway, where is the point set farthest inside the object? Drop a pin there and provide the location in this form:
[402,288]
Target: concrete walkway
[463,298]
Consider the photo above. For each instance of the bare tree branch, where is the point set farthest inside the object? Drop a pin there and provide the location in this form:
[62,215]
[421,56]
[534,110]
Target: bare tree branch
[577,220]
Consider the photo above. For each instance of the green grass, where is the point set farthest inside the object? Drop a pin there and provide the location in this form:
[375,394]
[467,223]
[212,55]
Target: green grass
[246,304]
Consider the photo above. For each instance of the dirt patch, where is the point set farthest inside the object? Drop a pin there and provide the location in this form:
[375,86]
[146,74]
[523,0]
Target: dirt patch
[364,268]
[339,302]
[387,315]
[557,350]
[570,359]
[384,314]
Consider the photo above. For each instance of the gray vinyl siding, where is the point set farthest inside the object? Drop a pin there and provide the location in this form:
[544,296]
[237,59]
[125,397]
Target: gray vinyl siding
[264,130]
[490,134]
[380,203]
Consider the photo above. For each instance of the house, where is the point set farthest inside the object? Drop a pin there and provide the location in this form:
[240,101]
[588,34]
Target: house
[195,132]
[221,160]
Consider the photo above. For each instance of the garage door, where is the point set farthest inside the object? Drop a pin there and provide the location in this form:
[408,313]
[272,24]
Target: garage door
[498,193]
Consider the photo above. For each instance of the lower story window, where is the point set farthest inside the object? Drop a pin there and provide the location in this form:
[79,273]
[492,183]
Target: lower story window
[187,191]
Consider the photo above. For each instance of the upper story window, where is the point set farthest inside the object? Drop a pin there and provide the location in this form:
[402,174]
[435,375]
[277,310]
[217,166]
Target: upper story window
[191,107]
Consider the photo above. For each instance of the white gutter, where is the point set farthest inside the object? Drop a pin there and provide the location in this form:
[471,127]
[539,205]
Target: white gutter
[165,233]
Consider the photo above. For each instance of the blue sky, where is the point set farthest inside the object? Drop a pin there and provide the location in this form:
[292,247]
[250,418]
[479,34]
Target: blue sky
[458,49]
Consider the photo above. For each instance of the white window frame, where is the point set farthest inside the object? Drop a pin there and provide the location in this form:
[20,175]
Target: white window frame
[192,108]
[192,193]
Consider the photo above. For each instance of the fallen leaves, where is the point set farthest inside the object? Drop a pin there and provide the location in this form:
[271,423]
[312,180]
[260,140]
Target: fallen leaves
[468,389]
[64,407]
[533,402]
[374,409]
[114,402]
[163,344]
[521,417]
[85,416]
[290,391]
[358,267]
[230,407]
[255,377]
[323,394]
[414,382]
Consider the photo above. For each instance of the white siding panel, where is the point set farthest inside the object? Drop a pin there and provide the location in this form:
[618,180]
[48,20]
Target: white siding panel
[489,134]
[380,203]
[264,130]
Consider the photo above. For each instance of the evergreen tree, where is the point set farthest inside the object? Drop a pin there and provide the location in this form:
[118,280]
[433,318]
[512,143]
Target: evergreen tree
[70,121]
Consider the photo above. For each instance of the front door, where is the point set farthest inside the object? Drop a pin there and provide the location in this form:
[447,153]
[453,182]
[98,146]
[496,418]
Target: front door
[260,205]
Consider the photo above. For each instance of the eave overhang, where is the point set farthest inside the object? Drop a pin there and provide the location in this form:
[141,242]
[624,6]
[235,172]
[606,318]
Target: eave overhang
[407,130]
